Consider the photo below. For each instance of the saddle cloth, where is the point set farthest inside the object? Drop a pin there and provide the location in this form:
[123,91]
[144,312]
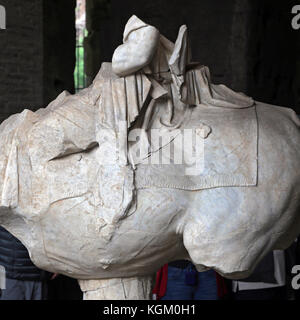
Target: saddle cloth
[228,157]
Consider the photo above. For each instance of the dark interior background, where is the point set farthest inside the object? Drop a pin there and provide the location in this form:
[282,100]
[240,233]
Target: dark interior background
[249,45]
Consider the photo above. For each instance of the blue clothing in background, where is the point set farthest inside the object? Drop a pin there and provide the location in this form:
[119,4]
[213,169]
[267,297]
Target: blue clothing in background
[205,287]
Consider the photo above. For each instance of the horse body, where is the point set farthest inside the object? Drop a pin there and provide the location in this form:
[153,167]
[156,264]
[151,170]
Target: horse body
[229,229]
[89,220]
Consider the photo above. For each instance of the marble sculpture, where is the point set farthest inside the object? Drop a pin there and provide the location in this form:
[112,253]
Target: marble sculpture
[151,163]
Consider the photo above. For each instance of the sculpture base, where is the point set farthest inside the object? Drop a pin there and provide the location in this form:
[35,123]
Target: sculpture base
[136,288]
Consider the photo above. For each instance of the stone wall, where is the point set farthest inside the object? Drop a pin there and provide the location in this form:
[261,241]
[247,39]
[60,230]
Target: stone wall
[37,55]
[98,44]
[21,57]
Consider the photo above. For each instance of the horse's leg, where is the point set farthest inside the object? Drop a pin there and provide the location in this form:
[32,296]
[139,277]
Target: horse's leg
[136,288]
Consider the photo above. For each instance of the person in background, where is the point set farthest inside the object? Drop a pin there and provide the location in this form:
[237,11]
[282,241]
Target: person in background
[179,280]
[24,281]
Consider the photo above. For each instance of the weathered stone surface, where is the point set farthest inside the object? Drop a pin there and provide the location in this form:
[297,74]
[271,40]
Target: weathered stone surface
[138,288]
